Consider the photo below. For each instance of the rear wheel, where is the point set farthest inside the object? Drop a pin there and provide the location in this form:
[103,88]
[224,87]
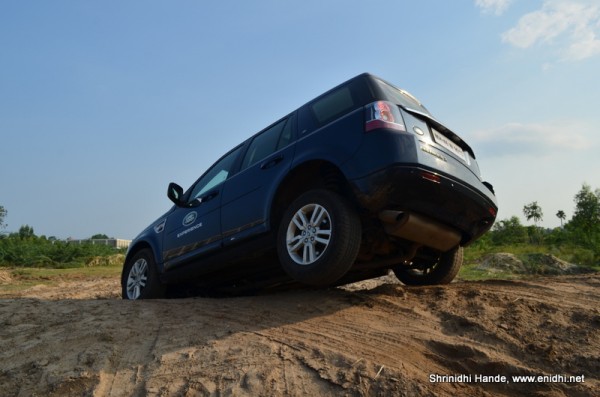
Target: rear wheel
[140,277]
[441,271]
[318,238]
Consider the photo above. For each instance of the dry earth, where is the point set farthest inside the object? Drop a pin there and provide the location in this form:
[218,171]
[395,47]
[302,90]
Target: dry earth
[371,338]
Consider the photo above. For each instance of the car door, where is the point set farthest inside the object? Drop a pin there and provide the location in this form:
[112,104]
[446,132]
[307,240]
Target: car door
[266,161]
[194,229]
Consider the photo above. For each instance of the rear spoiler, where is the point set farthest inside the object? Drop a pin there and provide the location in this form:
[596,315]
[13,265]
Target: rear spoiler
[443,129]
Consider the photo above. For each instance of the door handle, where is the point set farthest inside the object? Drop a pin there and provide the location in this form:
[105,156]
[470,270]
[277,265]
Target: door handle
[271,162]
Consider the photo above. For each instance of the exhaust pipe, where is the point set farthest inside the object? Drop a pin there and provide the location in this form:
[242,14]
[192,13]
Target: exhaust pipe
[419,229]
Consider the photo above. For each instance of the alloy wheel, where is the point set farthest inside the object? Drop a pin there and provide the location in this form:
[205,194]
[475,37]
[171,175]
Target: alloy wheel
[138,276]
[309,234]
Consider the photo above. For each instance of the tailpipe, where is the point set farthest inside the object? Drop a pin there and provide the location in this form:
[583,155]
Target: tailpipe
[419,229]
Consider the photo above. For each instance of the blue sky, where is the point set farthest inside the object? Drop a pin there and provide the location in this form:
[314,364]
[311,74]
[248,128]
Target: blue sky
[102,104]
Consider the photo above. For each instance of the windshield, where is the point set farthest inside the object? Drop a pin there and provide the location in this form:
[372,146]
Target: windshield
[403,98]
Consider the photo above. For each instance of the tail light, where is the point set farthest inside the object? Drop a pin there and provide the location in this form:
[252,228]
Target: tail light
[382,114]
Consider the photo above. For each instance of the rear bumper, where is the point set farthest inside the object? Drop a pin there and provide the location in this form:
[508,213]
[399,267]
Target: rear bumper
[418,189]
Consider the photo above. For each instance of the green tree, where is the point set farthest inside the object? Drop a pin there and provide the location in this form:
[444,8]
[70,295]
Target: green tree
[562,216]
[26,232]
[584,226]
[509,231]
[533,211]
[99,237]
[586,217]
[3,214]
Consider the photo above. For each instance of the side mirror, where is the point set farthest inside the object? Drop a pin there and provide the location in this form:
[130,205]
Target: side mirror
[175,194]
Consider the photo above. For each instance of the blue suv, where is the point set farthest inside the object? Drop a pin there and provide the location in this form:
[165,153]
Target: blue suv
[358,181]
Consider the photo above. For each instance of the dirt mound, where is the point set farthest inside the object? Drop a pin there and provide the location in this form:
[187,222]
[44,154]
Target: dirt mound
[501,262]
[528,264]
[364,340]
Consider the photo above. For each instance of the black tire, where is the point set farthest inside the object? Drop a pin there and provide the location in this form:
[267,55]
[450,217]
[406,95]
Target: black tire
[140,278]
[331,239]
[442,271]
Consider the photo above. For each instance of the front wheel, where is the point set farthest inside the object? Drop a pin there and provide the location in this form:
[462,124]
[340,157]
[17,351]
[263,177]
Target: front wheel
[140,277]
[441,271]
[318,238]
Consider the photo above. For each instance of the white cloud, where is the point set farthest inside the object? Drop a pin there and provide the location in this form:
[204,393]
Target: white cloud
[572,26]
[496,7]
[586,46]
[533,139]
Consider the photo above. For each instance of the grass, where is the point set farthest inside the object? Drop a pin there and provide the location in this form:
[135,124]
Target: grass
[470,272]
[26,277]
[20,278]
[527,253]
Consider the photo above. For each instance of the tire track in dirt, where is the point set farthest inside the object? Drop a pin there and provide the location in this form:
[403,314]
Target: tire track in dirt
[119,373]
[359,341]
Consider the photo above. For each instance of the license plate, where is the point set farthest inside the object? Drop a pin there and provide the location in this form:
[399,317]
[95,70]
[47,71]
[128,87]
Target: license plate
[448,144]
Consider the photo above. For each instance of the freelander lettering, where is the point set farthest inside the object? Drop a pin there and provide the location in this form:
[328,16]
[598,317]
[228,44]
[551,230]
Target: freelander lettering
[431,152]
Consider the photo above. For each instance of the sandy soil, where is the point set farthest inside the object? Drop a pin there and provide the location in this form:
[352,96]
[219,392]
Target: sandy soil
[372,338]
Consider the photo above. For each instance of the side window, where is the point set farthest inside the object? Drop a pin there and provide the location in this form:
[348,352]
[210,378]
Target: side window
[287,134]
[306,121]
[216,175]
[333,105]
[325,109]
[267,142]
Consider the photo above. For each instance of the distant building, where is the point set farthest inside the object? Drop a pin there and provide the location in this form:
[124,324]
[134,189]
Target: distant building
[112,242]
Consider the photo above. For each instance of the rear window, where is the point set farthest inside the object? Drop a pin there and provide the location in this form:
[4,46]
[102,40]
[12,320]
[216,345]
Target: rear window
[333,105]
[402,97]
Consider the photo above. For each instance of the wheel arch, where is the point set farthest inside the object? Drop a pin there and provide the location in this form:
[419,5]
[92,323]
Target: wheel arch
[311,174]
[139,246]
[319,249]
